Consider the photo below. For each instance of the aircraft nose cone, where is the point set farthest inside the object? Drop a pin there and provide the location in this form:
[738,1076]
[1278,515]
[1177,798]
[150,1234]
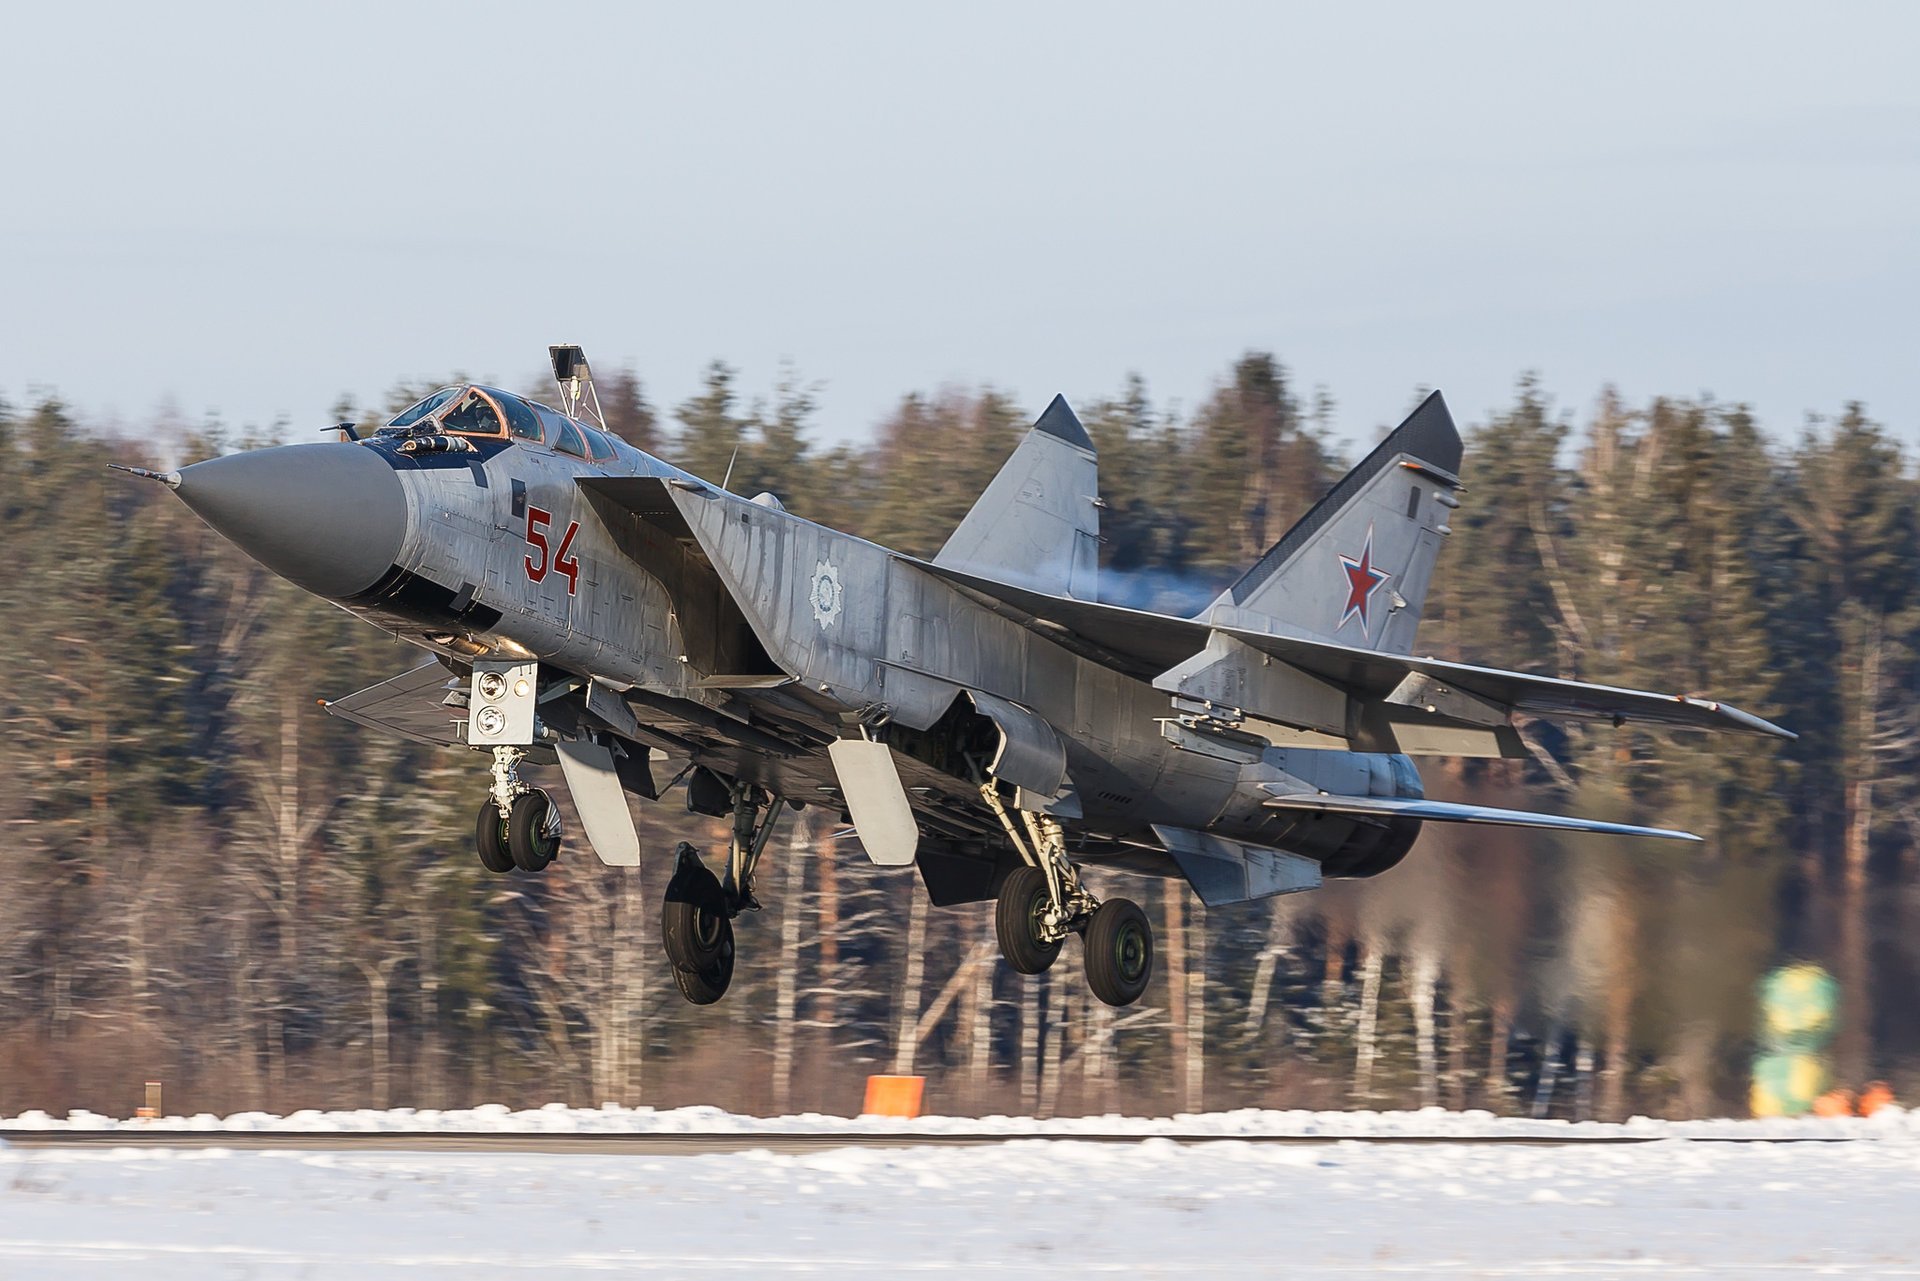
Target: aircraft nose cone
[329,518]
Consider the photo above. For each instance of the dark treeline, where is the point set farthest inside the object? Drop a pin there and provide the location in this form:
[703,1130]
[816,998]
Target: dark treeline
[215,884]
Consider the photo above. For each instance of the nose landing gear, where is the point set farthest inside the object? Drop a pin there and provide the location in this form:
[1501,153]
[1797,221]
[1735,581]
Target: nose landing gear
[533,831]
[518,825]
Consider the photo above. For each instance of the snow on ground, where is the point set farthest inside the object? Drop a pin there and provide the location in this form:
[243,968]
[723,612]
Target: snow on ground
[557,1118]
[1052,1209]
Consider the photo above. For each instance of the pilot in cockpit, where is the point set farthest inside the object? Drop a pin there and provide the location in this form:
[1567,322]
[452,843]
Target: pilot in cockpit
[473,415]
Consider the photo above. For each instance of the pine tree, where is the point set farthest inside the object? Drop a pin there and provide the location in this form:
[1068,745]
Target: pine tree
[934,457]
[711,430]
[1255,467]
[1856,511]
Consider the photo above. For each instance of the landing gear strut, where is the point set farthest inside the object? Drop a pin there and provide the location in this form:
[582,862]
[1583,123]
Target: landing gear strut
[696,918]
[518,825]
[1044,901]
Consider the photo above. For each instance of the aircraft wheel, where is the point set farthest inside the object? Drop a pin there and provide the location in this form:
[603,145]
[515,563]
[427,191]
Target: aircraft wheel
[1119,952]
[490,839]
[1016,920]
[697,932]
[533,831]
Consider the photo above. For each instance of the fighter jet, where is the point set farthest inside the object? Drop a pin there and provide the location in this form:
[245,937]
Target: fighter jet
[981,716]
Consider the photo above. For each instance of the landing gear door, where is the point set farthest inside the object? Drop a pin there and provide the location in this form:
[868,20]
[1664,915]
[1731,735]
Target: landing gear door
[876,801]
[1031,755]
[600,802]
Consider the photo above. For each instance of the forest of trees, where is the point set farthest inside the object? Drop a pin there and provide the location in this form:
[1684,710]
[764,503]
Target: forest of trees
[217,885]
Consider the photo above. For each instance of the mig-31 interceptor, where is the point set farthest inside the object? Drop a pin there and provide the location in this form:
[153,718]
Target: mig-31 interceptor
[981,716]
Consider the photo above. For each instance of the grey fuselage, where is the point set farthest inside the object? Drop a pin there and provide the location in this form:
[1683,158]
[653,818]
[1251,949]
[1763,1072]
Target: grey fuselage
[744,639]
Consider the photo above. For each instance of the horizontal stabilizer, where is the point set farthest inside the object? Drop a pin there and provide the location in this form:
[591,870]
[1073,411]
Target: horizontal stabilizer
[1449,812]
[1384,677]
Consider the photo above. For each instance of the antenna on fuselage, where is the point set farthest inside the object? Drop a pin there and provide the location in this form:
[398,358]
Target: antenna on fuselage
[577,396]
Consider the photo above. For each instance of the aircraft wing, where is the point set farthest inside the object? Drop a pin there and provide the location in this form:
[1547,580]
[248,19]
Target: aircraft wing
[1147,645]
[1449,812]
[407,705]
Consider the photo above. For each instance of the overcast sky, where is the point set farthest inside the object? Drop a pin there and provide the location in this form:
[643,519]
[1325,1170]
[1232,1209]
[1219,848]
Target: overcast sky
[255,209]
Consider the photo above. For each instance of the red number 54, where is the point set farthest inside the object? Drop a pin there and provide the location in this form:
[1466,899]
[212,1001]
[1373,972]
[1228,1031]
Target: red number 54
[538,522]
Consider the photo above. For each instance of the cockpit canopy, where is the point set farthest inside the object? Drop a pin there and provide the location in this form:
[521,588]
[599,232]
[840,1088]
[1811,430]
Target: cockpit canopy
[474,410]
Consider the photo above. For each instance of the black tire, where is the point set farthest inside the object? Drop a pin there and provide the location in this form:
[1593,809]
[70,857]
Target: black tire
[697,932]
[532,838]
[1119,952]
[1016,920]
[490,839]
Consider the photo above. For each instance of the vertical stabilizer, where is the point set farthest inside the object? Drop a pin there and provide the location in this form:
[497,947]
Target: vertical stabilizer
[1355,568]
[1038,523]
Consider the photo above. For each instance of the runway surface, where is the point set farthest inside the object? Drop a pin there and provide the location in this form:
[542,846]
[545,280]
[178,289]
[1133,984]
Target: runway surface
[794,1143]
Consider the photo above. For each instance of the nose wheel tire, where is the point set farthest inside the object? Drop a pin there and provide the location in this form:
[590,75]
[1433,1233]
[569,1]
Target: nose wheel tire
[1119,952]
[1023,901]
[697,931]
[490,839]
[533,831]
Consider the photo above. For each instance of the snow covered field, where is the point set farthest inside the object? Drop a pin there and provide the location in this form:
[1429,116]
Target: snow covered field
[1149,1208]
[1891,1123]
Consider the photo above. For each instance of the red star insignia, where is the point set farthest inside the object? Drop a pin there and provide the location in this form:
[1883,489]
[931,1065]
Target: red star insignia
[1363,580]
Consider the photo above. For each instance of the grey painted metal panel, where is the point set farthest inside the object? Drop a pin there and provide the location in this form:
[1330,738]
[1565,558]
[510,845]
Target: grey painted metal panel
[1223,871]
[1428,693]
[1038,522]
[876,801]
[1438,738]
[613,710]
[600,802]
[408,705]
[915,699]
[1031,755]
[1232,673]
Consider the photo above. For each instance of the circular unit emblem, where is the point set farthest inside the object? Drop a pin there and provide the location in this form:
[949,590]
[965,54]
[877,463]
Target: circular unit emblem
[826,594]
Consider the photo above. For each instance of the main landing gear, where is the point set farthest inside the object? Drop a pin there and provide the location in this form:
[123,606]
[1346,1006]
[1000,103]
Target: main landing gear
[1043,901]
[696,918]
[518,825]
